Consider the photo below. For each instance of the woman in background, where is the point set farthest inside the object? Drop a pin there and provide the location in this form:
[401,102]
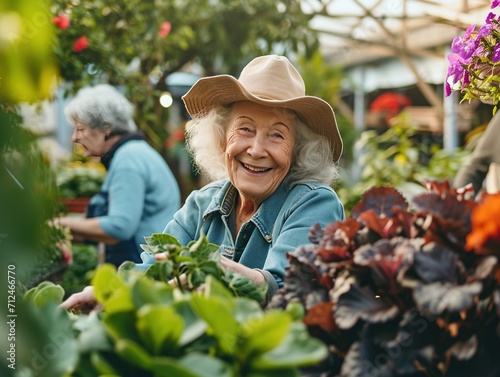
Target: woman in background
[140,193]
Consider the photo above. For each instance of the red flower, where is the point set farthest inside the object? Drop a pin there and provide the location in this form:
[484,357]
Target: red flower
[164,29]
[61,21]
[80,44]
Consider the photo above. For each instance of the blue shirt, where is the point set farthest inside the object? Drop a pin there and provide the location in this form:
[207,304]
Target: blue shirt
[280,225]
[143,193]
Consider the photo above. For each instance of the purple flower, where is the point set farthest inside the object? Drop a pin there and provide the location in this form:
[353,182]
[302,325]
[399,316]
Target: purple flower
[465,45]
[495,3]
[455,71]
[495,57]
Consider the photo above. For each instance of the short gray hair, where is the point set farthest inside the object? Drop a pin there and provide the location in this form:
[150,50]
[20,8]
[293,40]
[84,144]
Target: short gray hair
[102,107]
[206,133]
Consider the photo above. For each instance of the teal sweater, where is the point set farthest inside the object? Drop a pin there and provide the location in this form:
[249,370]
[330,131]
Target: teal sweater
[143,193]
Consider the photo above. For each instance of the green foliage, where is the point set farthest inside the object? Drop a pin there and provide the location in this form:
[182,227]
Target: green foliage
[157,330]
[27,196]
[79,179]
[397,158]
[190,265]
[151,328]
[79,273]
[44,293]
[27,68]
[125,47]
[324,81]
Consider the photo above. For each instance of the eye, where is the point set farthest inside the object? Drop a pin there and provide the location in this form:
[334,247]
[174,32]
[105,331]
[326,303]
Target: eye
[277,135]
[245,129]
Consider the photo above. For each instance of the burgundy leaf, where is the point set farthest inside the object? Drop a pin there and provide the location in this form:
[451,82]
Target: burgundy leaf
[358,303]
[340,232]
[436,263]
[382,200]
[321,315]
[315,233]
[438,297]
[387,258]
[446,206]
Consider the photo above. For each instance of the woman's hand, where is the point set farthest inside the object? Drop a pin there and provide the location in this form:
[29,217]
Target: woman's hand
[255,275]
[83,301]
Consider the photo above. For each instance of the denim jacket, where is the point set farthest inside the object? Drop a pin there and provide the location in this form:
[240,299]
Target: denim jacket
[279,226]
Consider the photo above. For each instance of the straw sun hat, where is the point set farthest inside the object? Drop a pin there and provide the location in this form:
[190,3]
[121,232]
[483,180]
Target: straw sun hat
[270,81]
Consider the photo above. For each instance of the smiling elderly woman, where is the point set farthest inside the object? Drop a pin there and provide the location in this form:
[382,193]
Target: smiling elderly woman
[272,153]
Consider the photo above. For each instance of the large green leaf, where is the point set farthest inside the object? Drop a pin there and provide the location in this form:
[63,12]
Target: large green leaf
[148,291]
[218,313]
[159,239]
[106,281]
[122,325]
[206,366]
[45,293]
[170,367]
[194,327]
[102,365]
[133,353]
[247,309]
[160,328]
[214,287]
[260,335]
[93,335]
[297,350]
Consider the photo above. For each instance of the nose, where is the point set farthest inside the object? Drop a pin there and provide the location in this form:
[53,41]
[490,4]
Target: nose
[74,138]
[257,148]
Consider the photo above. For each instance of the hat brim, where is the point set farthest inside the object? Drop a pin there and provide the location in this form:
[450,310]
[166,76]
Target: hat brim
[221,90]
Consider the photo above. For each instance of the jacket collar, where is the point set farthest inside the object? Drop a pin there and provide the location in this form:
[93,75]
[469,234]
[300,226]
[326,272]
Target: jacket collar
[266,215]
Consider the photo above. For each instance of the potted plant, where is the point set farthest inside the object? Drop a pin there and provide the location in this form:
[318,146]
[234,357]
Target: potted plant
[78,181]
[474,69]
[403,289]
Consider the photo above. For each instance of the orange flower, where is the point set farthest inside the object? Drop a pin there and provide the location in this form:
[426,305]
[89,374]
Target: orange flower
[165,28]
[80,44]
[61,21]
[485,224]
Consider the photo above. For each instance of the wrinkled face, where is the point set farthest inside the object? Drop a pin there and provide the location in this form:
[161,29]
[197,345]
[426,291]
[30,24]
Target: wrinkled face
[91,139]
[259,147]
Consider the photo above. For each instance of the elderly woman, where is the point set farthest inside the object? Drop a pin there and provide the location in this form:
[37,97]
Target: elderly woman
[139,194]
[273,151]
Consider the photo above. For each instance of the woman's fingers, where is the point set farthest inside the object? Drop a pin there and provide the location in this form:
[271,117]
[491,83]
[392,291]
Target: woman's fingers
[82,299]
[161,256]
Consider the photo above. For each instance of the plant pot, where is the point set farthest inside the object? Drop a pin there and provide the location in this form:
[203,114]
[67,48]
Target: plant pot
[76,205]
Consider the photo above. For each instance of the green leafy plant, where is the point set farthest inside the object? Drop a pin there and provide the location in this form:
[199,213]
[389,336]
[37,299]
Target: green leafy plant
[148,327]
[79,273]
[79,179]
[138,44]
[397,158]
[404,290]
[190,265]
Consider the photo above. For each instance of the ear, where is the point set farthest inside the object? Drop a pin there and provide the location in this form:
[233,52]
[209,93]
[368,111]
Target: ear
[106,137]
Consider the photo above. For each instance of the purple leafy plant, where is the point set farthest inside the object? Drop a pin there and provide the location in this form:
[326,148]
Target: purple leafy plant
[395,291]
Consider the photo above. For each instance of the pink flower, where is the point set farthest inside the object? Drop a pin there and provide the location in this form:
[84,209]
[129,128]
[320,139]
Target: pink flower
[164,29]
[61,21]
[80,44]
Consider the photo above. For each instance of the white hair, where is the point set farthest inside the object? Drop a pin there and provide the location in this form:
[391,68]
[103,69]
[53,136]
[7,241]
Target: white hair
[206,133]
[102,107]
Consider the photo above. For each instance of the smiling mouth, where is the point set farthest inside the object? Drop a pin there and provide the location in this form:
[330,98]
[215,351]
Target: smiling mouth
[253,169]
